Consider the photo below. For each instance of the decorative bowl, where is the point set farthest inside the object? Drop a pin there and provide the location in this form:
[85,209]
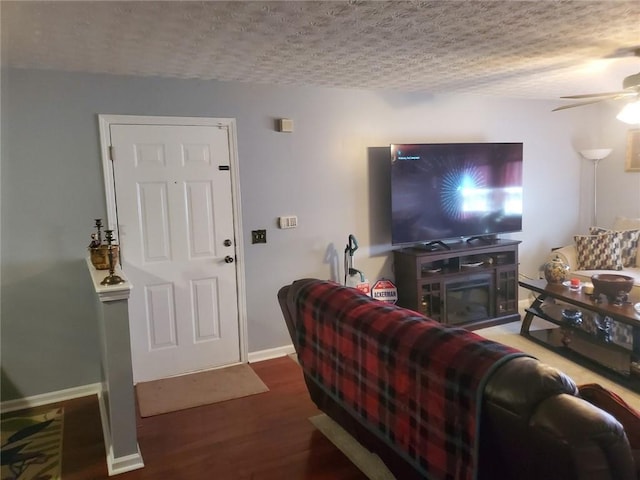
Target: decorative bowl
[612,285]
[572,315]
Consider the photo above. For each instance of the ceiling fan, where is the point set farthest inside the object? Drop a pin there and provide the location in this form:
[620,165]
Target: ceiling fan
[630,90]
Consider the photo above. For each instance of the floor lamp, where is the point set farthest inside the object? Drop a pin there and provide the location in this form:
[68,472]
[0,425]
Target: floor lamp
[595,155]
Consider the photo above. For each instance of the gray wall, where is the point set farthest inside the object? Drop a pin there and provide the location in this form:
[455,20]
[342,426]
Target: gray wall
[331,172]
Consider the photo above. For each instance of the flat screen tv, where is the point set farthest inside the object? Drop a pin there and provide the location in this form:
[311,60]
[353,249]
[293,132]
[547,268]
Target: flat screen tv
[443,191]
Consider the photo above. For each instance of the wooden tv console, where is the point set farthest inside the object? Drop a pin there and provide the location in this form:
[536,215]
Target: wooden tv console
[472,284]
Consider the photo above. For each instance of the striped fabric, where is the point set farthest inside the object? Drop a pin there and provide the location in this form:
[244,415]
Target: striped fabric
[409,380]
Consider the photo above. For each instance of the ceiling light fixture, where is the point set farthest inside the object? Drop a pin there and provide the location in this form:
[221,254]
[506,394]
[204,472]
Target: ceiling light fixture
[630,113]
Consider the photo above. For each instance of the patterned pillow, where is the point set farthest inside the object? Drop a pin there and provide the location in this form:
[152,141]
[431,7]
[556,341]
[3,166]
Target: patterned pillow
[629,241]
[598,252]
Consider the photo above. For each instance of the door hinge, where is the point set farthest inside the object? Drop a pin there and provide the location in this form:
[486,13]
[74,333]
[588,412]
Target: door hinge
[111,153]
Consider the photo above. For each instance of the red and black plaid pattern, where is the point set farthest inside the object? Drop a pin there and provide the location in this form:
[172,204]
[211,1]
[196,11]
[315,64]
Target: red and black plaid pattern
[411,381]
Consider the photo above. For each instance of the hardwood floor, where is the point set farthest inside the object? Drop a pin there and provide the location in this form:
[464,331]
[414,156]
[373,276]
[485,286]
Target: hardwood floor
[262,437]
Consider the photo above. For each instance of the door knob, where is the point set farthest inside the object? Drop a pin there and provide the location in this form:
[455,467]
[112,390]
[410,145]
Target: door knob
[228,259]
[227,243]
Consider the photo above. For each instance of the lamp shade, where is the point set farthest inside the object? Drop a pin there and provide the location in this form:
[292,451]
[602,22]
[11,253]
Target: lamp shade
[630,113]
[596,153]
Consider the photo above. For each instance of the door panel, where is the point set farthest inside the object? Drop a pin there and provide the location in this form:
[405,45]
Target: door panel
[175,211]
[154,221]
[160,316]
[201,229]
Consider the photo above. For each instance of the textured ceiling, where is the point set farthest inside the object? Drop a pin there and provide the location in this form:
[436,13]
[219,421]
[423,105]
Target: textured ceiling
[529,49]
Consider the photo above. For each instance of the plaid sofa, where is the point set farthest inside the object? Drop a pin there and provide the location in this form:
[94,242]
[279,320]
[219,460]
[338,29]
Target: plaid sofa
[436,402]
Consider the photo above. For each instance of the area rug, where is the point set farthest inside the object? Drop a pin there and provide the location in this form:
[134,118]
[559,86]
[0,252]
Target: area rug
[368,463]
[31,447]
[197,389]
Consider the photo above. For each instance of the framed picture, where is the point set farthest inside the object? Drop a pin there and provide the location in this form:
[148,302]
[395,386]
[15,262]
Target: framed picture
[633,151]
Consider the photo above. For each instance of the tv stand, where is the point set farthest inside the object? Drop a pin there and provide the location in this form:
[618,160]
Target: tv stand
[434,245]
[467,284]
[486,239]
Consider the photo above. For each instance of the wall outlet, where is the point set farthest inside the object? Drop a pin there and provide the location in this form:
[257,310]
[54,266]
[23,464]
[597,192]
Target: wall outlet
[258,236]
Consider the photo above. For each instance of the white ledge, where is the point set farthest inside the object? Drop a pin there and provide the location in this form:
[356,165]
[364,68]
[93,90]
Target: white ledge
[109,293]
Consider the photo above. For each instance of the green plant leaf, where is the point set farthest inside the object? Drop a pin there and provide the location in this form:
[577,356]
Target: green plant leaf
[28,431]
[8,456]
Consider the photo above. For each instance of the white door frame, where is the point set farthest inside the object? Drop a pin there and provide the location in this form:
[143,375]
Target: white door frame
[105,122]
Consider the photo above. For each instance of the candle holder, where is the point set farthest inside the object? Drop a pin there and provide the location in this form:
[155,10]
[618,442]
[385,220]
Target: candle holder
[98,252]
[111,279]
[96,238]
[98,227]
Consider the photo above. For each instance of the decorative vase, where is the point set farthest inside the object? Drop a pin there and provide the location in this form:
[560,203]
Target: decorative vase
[556,271]
[100,256]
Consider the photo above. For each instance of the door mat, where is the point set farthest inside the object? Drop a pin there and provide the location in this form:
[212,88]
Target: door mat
[368,463]
[31,445]
[197,389]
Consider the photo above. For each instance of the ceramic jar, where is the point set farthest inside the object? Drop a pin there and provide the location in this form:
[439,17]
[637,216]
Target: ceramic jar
[556,271]
[100,256]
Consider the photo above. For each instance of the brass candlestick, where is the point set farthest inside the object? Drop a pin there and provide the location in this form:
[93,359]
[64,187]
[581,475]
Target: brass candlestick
[98,227]
[96,238]
[111,279]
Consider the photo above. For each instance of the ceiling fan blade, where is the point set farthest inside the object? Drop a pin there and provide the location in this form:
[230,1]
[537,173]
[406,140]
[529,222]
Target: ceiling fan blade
[595,95]
[578,104]
[633,51]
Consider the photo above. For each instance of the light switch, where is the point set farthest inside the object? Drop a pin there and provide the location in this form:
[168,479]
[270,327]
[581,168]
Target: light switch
[285,125]
[290,221]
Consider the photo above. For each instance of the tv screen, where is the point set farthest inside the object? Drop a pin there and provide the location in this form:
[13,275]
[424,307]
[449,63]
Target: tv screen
[450,190]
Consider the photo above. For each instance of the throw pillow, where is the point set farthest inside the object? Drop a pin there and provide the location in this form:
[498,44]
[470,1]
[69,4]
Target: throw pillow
[629,241]
[598,252]
[614,405]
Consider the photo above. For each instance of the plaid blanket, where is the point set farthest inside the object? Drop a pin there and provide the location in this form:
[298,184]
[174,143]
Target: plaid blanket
[411,381]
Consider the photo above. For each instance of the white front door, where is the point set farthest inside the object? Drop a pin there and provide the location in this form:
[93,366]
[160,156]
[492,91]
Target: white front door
[176,233]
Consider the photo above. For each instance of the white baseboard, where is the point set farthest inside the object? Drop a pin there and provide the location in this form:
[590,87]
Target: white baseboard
[270,353]
[51,397]
[116,465]
[124,464]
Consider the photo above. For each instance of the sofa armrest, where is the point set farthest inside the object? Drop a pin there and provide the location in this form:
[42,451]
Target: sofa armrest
[531,411]
[288,317]
[568,254]
[286,295]
[588,438]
